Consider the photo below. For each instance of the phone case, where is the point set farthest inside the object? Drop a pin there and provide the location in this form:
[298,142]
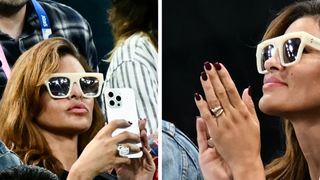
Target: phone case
[121,104]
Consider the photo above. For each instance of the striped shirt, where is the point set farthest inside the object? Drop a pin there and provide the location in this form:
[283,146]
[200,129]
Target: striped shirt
[134,65]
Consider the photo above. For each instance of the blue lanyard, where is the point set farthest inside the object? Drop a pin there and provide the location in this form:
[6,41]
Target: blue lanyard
[46,32]
[43,18]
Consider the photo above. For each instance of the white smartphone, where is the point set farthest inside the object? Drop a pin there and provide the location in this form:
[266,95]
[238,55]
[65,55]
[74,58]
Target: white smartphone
[121,104]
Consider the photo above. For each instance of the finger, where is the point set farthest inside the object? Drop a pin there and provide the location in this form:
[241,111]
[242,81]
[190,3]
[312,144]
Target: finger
[218,88]
[230,90]
[142,124]
[132,147]
[122,161]
[115,124]
[126,137]
[144,139]
[246,97]
[207,87]
[205,112]
[201,135]
[148,156]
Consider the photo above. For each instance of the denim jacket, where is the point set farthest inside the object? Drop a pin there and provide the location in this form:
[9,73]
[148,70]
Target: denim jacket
[8,159]
[179,155]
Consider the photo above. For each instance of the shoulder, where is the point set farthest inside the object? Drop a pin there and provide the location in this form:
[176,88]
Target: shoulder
[60,11]
[140,41]
[136,48]
[179,154]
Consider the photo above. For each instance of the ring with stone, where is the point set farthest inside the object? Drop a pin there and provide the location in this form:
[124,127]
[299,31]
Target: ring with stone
[123,150]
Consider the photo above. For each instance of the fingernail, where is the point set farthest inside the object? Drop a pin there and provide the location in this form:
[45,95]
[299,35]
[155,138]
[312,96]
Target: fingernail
[217,66]
[197,96]
[207,65]
[129,122]
[204,76]
[250,91]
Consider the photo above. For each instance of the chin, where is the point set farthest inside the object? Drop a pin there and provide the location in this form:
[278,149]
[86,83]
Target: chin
[80,127]
[77,129]
[269,107]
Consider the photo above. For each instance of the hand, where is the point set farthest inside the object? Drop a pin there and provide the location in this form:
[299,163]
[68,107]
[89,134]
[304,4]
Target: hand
[212,165]
[101,154]
[236,131]
[141,168]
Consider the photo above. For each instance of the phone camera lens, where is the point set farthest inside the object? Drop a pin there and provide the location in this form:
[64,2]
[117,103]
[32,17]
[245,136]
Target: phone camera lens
[118,98]
[110,94]
[111,103]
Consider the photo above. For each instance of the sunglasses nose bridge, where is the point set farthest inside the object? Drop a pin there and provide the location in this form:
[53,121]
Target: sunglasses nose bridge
[275,61]
[75,90]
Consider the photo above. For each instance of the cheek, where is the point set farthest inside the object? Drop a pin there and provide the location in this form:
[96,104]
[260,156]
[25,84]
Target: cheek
[90,104]
[49,112]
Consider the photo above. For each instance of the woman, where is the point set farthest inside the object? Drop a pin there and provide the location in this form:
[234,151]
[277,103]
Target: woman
[49,116]
[134,59]
[289,58]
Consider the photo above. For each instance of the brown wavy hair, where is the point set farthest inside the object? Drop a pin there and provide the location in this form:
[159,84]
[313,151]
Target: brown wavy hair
[127,17]
[20,104]
[292,165]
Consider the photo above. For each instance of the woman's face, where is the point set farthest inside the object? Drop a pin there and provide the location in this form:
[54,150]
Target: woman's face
[67,116]
[294,89]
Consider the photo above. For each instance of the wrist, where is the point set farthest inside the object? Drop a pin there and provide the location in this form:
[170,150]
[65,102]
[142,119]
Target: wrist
[249,171]
[77,172]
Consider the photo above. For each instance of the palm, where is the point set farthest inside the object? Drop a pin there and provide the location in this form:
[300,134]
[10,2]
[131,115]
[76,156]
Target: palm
[213,166]
[142,168]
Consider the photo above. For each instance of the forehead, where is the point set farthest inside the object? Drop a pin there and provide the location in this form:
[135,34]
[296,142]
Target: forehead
[69,63]
[307,24]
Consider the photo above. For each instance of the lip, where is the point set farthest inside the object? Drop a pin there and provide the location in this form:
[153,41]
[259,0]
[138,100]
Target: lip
[269,82]
[78,108]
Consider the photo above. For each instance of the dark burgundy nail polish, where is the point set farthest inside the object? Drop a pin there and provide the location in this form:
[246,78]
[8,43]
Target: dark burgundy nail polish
[207,65]
[217,66]
[197,96]
[204,76]
[250,91]
[130,122]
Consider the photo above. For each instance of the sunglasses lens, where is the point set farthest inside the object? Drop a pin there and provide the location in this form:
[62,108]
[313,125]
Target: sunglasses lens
[290,49]
[266,54]
[59,86]
[89,86]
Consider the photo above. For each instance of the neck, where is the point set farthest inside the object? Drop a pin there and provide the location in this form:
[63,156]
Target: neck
[307,131]
[65,149]
[13,25]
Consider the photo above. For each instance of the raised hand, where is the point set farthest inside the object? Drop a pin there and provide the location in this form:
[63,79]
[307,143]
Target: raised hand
[140,168]
[232,122]
[212,165]
[101,154]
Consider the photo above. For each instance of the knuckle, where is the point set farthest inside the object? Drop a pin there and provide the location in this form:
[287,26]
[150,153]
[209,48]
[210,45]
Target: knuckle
[220,92]
[213,103]
[230,90]
[207,115]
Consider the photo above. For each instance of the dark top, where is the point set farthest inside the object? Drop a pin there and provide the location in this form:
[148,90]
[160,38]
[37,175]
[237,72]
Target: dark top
[65,22]
[102,176]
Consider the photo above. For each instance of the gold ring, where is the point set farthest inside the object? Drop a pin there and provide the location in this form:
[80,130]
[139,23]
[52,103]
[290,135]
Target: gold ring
[217,111]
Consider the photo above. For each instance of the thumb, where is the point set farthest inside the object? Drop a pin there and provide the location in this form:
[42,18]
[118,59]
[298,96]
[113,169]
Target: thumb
[201,135]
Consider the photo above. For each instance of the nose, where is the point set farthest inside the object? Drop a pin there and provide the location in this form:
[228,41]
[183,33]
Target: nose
[75,91]
[273,63]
